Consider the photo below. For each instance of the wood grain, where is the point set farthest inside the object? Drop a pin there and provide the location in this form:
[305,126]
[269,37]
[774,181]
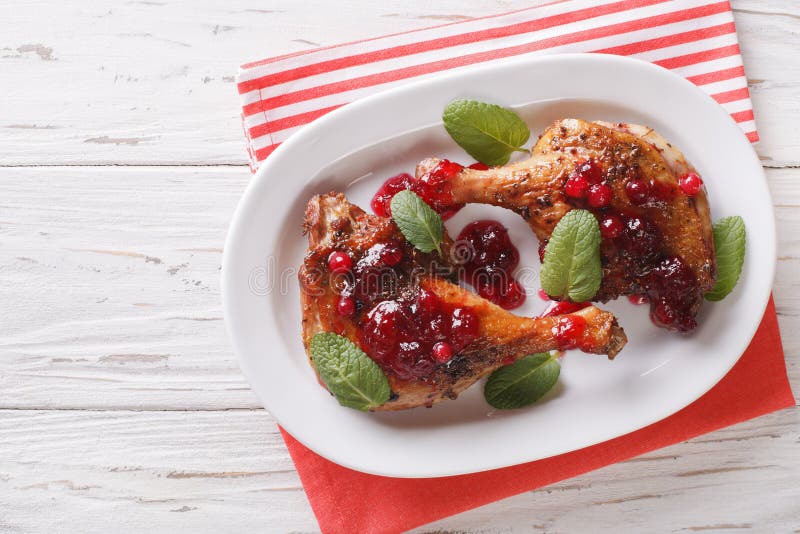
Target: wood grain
[121,405]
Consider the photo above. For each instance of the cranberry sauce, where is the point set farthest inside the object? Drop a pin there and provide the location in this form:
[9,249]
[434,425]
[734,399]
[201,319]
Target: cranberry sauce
[433,187]
[412,334]
[563,307]
[488,259]
[666,281]
[407,330]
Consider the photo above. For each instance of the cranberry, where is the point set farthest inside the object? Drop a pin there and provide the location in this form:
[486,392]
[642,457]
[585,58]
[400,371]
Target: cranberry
[412,334]
[464,324]
[391,254]
[638,191]
[442,351]
[381,202]
[564,307]
[339,262]
[543,295]
[576,187]
[611,226]
[493,259]
[346,306]
[599,195]
[478,166]
[638,299]
[690,183]
[569,330]
[435,189]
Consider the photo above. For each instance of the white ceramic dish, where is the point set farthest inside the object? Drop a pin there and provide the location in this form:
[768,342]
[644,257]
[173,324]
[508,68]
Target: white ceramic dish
[355,148]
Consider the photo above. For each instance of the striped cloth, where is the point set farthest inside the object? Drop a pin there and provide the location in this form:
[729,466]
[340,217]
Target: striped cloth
[694,38]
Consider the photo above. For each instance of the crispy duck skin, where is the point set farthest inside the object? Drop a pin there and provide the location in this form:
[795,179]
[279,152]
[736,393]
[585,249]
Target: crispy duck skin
[534,189]
[333,223]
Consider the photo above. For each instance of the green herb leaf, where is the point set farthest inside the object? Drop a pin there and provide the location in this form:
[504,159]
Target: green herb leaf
[488,133]
[422,226]
[523,382]
[729,241]
[354,379]
[571,268]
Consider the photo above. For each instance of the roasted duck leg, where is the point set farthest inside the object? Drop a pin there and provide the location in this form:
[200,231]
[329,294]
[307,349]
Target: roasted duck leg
[657,239]
[432,338]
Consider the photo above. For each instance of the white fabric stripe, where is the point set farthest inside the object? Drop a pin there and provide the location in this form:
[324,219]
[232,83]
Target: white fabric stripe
[505,42]
[748,126]
[725,85]
[705,67]
[737,106]
[427,34]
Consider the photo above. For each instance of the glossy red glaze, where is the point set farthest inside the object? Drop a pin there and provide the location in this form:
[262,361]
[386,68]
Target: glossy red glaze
[433,187]
[611,226]
[569,331]
[638,299]
[401,334]
[563,307]
[638,191]
[478,166]
[381,202]
[543,295]
[673,291]
[491,262]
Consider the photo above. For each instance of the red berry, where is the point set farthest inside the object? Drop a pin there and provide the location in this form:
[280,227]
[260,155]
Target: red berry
[600,195]
[638,191]
[442,351]
[479,166]
[690,183]
[611,226]
[591,171]
[576,186]
[638,299]
[339,262]
[569,330]
[381,202]
[543,295]
[391,254]
[428,301]
[346,306]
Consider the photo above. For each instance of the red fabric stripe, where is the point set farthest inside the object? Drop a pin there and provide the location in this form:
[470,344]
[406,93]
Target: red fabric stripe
[743,116]
[752,136]
[717,76]
[436,66]
[262,153]
[699,57]
[670,40]
[438,44]
[289,122]
[731,96]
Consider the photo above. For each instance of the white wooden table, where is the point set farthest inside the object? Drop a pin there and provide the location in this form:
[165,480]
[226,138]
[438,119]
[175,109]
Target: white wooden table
[121,404]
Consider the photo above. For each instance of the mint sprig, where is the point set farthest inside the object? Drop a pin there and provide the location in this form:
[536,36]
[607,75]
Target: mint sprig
[571,268]
[418,222]
[489,133]
[730,237]
[523,382]
[354,379]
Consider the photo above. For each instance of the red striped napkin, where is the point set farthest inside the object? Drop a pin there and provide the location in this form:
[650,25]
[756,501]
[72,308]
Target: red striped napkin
[695,38]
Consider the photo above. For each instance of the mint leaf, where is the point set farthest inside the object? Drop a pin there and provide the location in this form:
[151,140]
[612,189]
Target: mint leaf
[422,226]
[488,133]
[354,379]
[571,268]
[729,241]
[523,382]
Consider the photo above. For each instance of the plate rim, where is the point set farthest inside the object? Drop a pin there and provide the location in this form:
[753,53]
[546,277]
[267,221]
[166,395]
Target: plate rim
[258,184]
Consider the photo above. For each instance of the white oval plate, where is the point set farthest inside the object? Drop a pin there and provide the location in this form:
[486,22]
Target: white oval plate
[356,147]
